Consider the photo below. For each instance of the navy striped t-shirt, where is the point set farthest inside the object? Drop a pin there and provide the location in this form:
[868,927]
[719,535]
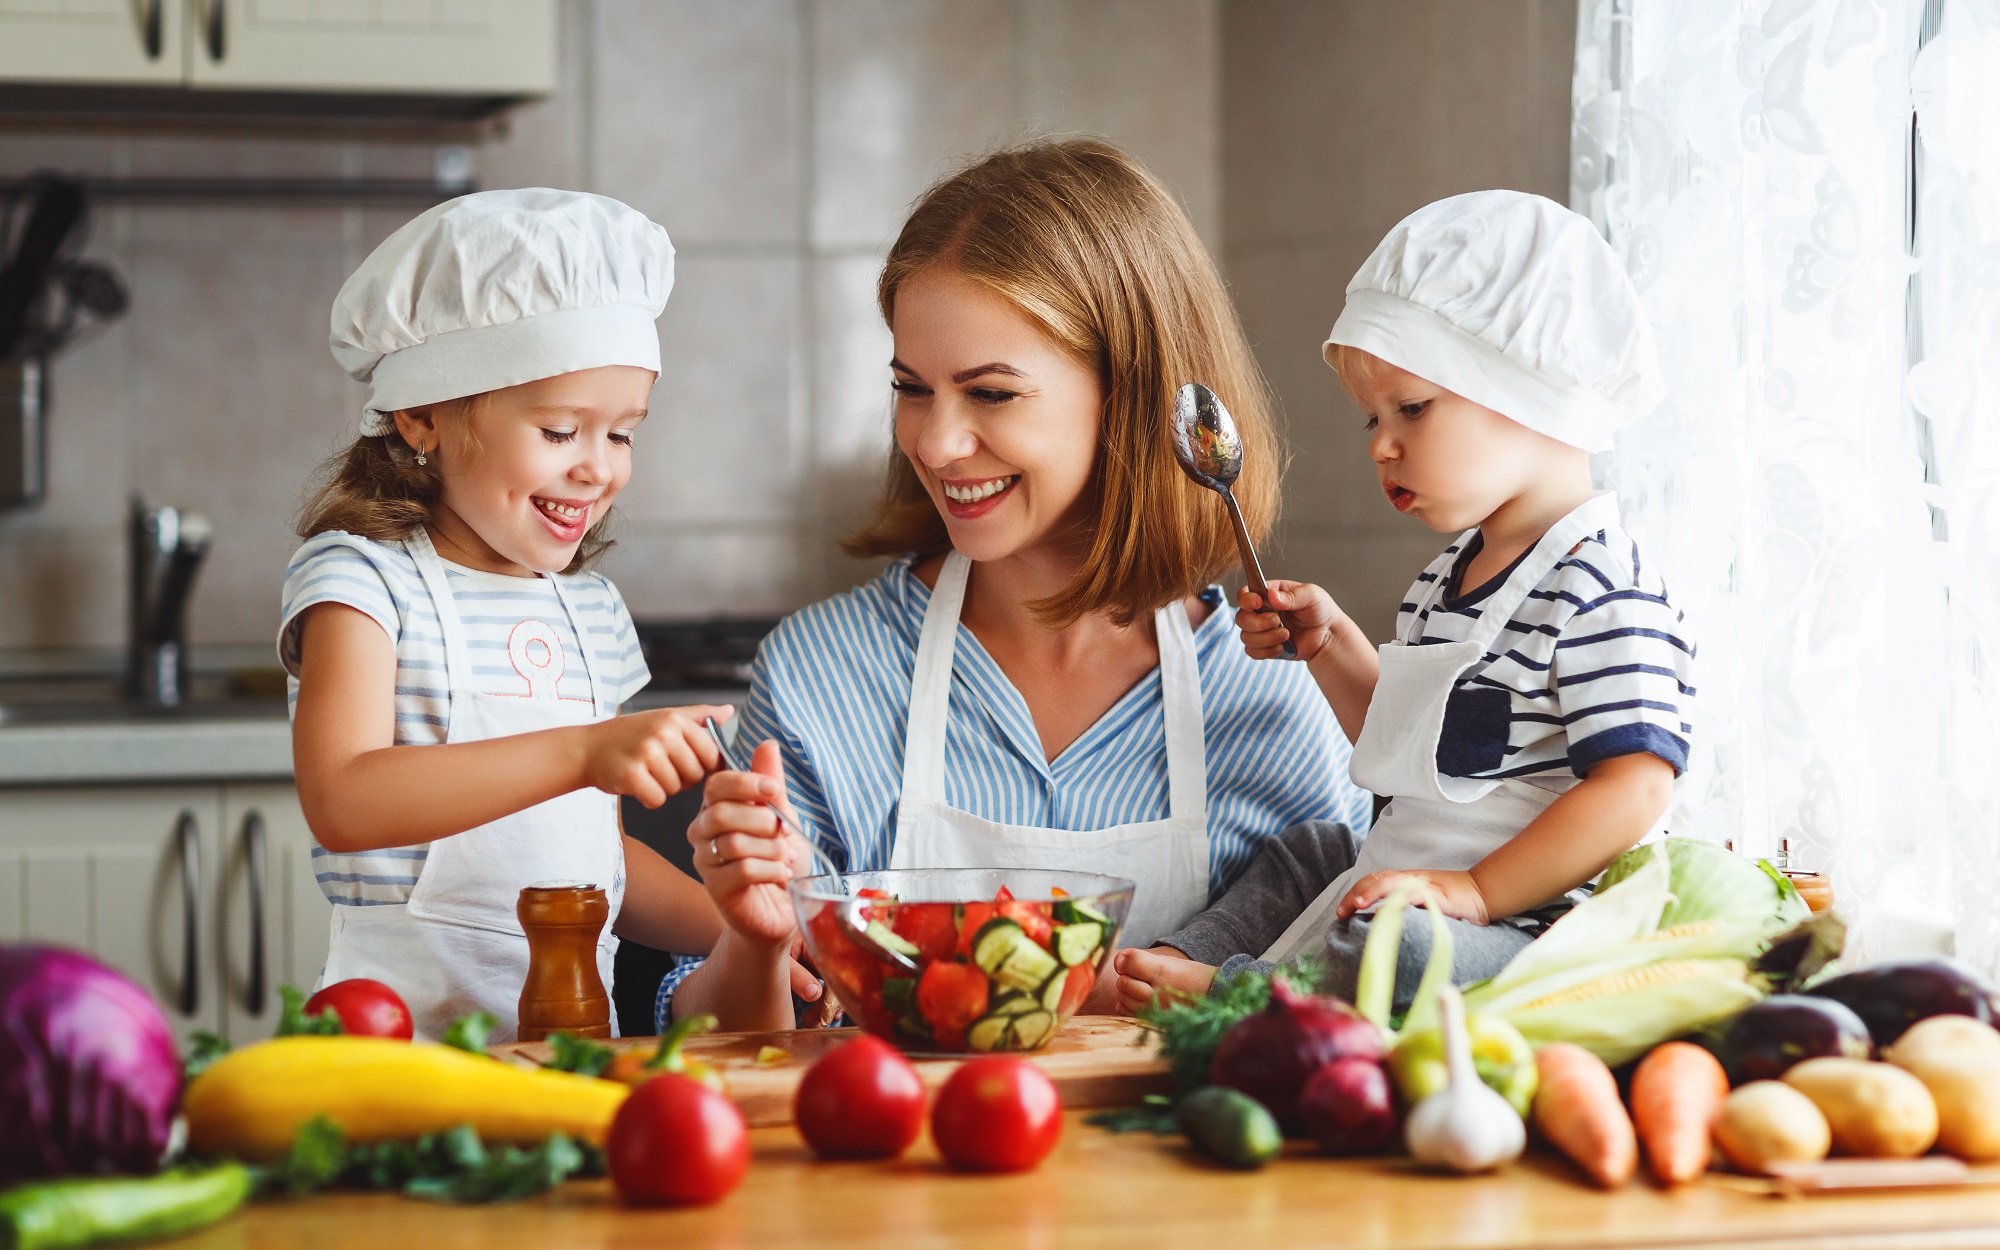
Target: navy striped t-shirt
[1596,663]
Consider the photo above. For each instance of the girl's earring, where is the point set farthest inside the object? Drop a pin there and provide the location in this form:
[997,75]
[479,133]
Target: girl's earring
[421,458]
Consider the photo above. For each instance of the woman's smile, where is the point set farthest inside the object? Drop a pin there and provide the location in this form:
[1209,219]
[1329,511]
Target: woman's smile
[966,498]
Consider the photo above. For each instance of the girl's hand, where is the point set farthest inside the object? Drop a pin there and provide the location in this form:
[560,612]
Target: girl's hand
[1454,893]
[1309,619]
[651,755]
[744,853]
[1162,972]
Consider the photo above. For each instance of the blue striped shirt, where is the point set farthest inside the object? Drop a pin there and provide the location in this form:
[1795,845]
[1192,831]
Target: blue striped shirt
[832,686]
[1596,663]
[381,580]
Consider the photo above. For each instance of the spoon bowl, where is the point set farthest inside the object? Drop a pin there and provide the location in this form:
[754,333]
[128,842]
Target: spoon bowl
[1211,454]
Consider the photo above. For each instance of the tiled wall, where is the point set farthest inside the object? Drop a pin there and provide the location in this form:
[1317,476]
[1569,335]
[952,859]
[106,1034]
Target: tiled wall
[1339,118]
[780,142]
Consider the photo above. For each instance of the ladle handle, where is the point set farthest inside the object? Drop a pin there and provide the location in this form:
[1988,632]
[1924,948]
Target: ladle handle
[1252,570]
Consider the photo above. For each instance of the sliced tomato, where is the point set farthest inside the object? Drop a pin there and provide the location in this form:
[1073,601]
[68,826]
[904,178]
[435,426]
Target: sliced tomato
[928,927]
[1076,988]
[875,913]
[952,995]
[1037,920]
[976,915]
[948,1039]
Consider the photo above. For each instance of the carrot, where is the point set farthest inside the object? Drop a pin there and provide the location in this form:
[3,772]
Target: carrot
[1577,1109]
[1677,1092]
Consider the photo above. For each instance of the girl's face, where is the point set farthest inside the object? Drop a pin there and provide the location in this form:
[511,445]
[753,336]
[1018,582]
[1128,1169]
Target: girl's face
[1000,423]
[533,467]
[1440,457]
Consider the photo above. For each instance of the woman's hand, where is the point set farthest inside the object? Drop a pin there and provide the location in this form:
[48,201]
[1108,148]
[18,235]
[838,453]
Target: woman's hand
[744,853]
[651,755]
[1309,619]
[1453,893]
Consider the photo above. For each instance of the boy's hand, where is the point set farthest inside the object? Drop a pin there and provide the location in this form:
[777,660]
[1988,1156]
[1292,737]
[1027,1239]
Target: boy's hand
[1453,893]
[744,853]
[651,755]
[1309,617]
[1162,972]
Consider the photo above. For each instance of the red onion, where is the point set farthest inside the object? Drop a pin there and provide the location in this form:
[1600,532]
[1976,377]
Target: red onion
[89,1079]
[1272,1054]
[1346,1107]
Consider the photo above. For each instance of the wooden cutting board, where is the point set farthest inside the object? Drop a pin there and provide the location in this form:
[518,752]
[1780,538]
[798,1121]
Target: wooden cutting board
[1096,1061]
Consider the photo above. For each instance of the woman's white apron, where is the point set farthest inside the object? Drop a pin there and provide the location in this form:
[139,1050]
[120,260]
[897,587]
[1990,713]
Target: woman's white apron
[1434,821]
[1167,858]
[457,946]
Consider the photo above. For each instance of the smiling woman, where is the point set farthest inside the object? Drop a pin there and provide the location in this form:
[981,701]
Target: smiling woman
[1041,679]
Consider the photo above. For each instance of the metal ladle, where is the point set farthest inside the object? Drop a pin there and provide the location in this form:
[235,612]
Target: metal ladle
[1211,452]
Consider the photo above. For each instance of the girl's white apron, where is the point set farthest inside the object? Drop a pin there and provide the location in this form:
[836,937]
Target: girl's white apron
[457,947]
[1167,858]
[1434,821]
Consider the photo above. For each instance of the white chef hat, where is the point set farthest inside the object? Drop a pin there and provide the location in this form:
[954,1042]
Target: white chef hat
[499,288]
[1514,302]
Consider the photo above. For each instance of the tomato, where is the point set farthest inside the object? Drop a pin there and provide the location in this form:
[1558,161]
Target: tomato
[951,996]
[997,1115]
[976,915]
[861,1100]
[676,1141]
[928,927]
[1035,919]
[1076,988]
[365,1008]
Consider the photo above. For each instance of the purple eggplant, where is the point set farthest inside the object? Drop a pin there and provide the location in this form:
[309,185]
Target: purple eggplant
[1891,997]
[1786,1029]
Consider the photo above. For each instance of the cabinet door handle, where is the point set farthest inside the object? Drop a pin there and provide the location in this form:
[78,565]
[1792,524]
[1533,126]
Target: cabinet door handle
[216,32]
[256,991]
[152,28]
[189,848]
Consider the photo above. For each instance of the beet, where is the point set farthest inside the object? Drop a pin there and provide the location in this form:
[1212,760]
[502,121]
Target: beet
[1272,1054]
[1347,1108]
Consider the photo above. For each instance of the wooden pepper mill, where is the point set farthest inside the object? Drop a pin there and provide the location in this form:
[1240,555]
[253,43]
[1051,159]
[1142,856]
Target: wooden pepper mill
[563,992]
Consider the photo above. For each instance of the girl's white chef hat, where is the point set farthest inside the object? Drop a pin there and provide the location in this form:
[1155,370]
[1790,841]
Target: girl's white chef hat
[499,288]
[1514,302]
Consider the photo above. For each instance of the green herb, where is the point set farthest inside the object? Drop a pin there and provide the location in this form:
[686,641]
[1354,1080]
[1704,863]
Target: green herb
[293,1020]
[452,1166]
[1153,1115]
[1191,1028]
[470,1032]
[204,1048]
[580,1055]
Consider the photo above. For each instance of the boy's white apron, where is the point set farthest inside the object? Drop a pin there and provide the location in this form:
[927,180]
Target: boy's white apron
[1167,858]
[1434,821]
[457,946]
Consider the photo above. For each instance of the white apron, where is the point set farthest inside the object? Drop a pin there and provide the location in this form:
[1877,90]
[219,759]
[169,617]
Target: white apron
[1446,824]
[1167,858]
[457,946]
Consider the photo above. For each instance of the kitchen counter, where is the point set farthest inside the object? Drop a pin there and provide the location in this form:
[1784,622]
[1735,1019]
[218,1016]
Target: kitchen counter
[1103,1191]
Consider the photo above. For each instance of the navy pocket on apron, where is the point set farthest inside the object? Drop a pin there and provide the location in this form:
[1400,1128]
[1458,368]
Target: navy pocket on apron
[1474,739]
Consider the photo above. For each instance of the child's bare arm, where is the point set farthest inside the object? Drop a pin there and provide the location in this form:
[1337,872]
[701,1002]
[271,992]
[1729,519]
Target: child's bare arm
[1573,839]
[1336,652]
[664,908]
[361,792]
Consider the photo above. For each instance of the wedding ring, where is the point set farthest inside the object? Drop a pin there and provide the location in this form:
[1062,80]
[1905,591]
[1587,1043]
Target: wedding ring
[715,854]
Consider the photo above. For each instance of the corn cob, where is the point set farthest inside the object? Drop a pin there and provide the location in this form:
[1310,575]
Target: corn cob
[1662,972]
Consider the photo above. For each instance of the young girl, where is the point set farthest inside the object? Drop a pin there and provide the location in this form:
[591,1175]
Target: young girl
[456,675]
[1531,716]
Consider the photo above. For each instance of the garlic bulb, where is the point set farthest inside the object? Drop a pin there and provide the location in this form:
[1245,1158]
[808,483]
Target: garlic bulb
[1464,1127]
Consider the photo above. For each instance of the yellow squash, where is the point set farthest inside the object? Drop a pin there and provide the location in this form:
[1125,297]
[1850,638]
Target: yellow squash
[251,1101]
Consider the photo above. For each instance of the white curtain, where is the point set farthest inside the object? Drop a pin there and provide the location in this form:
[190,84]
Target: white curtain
[1821,487]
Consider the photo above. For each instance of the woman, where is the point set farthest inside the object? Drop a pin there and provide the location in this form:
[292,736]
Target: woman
[1044,677]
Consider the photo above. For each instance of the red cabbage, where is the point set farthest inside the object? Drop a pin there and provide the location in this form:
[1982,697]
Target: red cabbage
[89,1077]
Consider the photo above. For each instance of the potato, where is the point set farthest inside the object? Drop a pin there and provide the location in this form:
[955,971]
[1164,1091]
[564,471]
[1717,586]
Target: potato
[1768,1122]
[1876,1110]
[1958,1060]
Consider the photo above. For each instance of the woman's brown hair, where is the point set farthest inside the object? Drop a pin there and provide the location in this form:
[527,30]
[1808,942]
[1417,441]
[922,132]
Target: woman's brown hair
[377,489]
[1089,246]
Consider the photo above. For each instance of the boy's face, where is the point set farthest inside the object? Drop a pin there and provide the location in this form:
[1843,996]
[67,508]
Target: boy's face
[1440,457]
[533,467]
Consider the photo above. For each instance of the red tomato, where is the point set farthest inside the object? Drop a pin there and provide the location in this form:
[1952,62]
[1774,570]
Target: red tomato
[1076,988]
[976,915]
[366,1009]
[997,1115]
[861,1100]
[951,996]
[928,927]
[1035,919]
[676,1141]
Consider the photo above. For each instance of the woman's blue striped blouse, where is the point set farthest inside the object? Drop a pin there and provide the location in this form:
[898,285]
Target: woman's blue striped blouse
[832,686]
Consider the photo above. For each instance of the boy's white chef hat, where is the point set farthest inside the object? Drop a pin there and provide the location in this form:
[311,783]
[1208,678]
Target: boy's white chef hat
[499,288]
[1514,302]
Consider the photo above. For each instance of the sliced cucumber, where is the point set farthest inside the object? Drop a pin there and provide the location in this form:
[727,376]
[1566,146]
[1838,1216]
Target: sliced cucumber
[889,939]
[989,1033]
[1027,966]
[1076,943]
[1052,992]
[1033,1029]
[994,943]
[899,994]
[1015,1004]
[1075,911]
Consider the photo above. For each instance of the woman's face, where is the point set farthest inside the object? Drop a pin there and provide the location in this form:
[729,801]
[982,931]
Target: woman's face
[1000,423]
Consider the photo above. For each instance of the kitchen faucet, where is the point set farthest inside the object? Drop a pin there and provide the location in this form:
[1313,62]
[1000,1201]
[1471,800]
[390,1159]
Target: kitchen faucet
[167,546]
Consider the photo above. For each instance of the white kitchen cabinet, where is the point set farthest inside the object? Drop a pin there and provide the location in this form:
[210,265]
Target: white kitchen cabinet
[101,42]
[126,873]
[413,47]
[272,922]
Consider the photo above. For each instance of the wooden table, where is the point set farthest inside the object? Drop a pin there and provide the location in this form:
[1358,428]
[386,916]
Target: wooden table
[1102,1192]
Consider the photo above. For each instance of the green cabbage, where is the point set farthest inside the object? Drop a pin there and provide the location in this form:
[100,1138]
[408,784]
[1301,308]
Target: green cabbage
[1709,882]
